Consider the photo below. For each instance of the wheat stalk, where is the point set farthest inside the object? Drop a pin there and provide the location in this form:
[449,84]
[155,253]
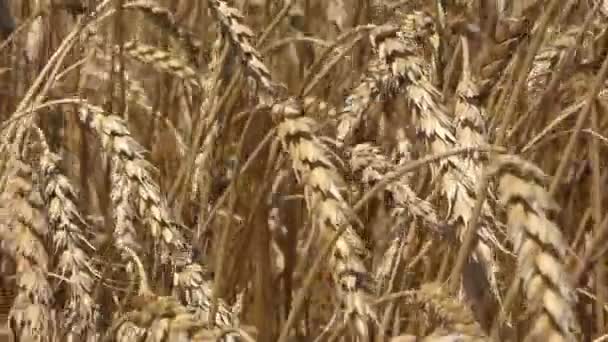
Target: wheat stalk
[360,99]
[164,18]
[547,59]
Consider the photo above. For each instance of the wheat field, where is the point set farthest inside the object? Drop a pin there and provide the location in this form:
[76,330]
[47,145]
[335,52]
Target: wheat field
[303,170]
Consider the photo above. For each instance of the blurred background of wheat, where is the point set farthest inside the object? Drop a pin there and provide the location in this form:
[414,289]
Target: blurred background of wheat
[303,170]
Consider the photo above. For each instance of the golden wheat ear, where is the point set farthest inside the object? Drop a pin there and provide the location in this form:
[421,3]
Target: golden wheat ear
[400,49]
[540,249]
[241,37]
[131,175]
[323,189]
[73,247]
[23,227]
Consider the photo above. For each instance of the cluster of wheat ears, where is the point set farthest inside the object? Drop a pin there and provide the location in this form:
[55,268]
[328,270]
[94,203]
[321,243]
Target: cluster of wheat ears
[303,170]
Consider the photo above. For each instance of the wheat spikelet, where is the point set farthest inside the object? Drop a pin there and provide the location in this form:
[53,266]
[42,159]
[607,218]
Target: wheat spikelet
[470,119]
[540,249]
[453,316]
[69,240]
[371,166]
[359,100]
[157,318]
[194,289]
[164,319]
[165,19]
[241,36]
[22,223]
[323,186]
[161,60]
[368,161]
[135,194]
[547,59]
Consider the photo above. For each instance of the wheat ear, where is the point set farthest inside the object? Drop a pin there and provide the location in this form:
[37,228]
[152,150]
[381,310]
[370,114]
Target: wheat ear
[399,48]
[164,319]
[162,60]
[232,23]
[135,193]
[96,69]
[155,318]
[540,249]
[22,224]
[470,119]
[547,59]
[323,191]
[73,247]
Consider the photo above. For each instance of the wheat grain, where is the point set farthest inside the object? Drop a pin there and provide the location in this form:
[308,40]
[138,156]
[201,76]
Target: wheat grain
[162,60]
